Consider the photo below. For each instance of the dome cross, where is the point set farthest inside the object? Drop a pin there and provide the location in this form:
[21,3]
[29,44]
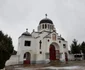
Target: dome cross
[46,15]
[26,29]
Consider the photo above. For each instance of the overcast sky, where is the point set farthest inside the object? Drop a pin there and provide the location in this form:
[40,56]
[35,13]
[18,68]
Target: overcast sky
[68,17]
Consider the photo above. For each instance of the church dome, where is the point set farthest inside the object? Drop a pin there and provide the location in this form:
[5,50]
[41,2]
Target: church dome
[26,33]
[46,20]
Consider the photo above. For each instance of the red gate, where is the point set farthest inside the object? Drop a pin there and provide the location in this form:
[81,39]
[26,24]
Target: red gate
[27,58]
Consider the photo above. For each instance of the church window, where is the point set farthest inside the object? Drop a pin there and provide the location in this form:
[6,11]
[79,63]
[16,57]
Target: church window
[54,37]
[64,45]
[40,43]
[48,40]
[27,43]
[45,26]
[40,52]
[59,41]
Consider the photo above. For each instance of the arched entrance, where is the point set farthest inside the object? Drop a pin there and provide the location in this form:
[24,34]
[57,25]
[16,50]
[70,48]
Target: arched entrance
[27,57]
[54,52]
[66,57]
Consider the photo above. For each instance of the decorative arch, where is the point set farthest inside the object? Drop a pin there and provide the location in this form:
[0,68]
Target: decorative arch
[27,57]
[56,45]
[54,52]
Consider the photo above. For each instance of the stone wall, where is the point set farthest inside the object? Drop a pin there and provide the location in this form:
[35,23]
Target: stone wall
[13,60]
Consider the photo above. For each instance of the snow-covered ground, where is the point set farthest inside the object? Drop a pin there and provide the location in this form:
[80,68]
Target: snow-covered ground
[64,68]
[71,65]
[54,68]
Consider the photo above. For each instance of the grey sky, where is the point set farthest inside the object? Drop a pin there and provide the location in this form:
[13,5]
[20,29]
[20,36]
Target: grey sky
[68,17]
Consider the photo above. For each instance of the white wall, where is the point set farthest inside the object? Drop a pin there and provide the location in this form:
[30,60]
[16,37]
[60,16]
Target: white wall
[71,57]
[13,60]
[23,49]
[46,44]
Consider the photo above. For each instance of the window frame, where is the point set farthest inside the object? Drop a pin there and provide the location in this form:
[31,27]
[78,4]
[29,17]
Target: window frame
[27,44]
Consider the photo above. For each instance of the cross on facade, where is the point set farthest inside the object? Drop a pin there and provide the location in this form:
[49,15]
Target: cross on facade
[40,43]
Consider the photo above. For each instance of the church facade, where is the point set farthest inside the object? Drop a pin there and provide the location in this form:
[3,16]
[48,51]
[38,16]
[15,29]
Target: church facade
[43,45]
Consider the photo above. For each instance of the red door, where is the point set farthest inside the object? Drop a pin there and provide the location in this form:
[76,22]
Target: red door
[66,57]
[26,61]
[27,58]
[52,53]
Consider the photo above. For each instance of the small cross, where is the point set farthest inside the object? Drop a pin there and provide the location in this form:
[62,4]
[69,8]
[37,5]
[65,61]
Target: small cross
[26,29]
[46,15]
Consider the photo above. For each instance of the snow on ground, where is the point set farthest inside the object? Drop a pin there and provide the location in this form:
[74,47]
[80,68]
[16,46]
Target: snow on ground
[65,68]
[53,68]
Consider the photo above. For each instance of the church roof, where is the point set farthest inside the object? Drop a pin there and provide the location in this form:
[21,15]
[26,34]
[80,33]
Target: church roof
[26,33]
[61,38]
[46,20]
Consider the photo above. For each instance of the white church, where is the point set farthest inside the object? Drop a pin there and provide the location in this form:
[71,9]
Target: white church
[43,45]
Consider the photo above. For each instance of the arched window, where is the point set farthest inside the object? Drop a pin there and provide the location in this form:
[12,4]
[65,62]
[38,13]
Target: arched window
[54,37]
[45,26]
